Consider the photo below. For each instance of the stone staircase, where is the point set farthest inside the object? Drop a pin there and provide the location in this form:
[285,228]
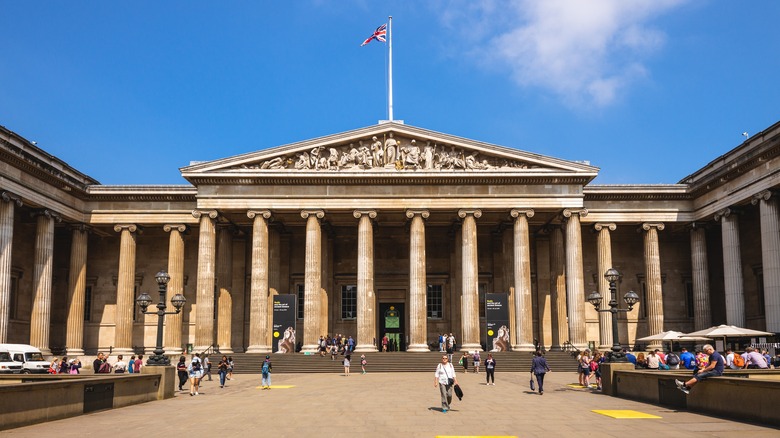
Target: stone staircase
[389,362]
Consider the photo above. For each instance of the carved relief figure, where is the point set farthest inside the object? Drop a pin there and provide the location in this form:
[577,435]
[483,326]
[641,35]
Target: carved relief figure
[274,163]
[390,149]
[427,156]
[377,151]
[412,157]
[304,161]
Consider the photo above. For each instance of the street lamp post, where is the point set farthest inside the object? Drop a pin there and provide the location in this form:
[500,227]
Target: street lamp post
[631,298]
[144,300]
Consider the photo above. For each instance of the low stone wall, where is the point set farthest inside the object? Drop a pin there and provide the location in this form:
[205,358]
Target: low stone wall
[36,398]
[745,395]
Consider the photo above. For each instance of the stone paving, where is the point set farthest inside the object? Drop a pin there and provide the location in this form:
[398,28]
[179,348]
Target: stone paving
[391,405]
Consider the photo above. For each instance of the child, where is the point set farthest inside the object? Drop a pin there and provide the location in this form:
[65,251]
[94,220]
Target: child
[346,365]
[363,362]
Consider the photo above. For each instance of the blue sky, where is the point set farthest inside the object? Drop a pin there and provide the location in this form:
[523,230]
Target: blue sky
[647,90]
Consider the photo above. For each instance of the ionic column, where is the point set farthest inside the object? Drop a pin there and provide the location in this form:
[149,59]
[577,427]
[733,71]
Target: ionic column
[225,288]
[366,317]
[77,288]
[204,300]
[274,279]
[470,272]
[418,316]
[604,250]
[702,314]
[173,322]
[732,267]
[770,256]
[40,320]
[259,321]
[312,297]
[655,299]
[7,203]
[558,311]
[125,289]
[523,339]
[575,284]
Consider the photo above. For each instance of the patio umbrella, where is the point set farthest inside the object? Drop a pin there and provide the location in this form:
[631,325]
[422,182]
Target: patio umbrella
[729,331]
[672,336]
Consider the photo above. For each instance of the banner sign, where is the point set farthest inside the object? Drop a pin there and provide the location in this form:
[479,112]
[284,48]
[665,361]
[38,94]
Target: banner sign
[497,317]
[284,323]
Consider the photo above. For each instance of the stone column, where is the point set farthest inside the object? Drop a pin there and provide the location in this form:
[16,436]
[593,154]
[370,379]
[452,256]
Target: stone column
[259,321]
[575,284]
[655,298]
[558,311]
[77,288]
[125,290]
[274,279]
[770,256]
[225,288]
[7,203]
[40,319]
[702,315]
[604,250]
[523,338]
[732,267]
[366,317]
[470,274]
[418,286]
[204,300]
[312,297]
[173,323]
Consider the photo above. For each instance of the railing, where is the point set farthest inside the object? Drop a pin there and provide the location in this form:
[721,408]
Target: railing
[570,348]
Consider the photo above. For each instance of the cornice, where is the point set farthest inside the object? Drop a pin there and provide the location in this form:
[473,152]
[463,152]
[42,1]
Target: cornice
[645,192]
[156,193]
[439,179]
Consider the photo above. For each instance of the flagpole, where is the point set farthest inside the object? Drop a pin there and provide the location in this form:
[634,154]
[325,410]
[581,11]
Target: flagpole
[390,69]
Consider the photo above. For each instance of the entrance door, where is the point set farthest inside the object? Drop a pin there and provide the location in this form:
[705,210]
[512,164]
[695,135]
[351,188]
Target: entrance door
[391,324]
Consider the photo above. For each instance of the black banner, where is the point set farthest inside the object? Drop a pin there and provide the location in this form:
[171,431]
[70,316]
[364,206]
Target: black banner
[284,323]
[497,316]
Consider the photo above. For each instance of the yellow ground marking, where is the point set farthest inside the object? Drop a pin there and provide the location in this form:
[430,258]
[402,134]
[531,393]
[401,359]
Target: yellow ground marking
[625,414]
[476,436]
[277,387]
[575,385]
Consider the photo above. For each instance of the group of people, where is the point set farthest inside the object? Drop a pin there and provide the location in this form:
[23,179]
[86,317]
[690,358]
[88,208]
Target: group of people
[336,345]
[589,367]
[101,365]
[447,344]
[64,366]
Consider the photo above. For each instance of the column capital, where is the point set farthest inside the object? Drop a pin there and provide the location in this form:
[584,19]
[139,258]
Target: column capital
[726,212]
[370,213]
[265,214]
[129,227]
[462,213]
[516,212]
[318,213]
[763,195]
[48,213]
[213,214]
[80,227]
[10,197]
[657,225]
[178,227]
[425,214]
[568,212]
[598,226]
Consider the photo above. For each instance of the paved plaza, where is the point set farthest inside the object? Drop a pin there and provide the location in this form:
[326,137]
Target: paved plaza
[392,405]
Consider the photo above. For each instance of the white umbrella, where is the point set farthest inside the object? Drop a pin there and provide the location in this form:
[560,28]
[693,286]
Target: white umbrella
[672,336]
[729,331]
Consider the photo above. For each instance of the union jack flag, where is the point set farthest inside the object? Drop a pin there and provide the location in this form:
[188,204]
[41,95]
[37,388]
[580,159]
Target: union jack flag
[379,35]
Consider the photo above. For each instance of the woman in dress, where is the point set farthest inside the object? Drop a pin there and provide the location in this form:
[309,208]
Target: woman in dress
[539,368]
[464,361]
[444,378]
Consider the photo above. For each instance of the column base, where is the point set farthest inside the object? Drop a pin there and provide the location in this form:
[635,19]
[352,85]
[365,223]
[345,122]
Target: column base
[556,348]
[366,348]
[45,352]
[71,352]
[604,347]
[173,351]
[226,351]
[470,347]
[418,348]
[255,349]
[123,351]
[524,347]
[311,349]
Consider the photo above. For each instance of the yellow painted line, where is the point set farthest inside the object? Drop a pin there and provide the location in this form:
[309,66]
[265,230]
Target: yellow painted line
[277,387]
[625,414]
[575,385]
[476,436]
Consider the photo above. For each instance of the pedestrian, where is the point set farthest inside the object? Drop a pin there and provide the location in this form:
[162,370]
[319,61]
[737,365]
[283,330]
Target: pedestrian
[585,362]
[449,340]
[539,368]
[445,379]
[206,367]
[139,363]
[490,369]
[595,368]
[385,341]
[363,363]
[97,363]
[476,361]
[120,366]
[181,369]
[265,371]
[441,343]
[230,368]
[714,368]
[346,365]
[130,365]
[222,370]
[687,358]
[75,366]
[64,366]
[195,372]
[464,361]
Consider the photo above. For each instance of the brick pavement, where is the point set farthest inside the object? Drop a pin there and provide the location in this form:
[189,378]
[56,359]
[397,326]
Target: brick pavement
[392,405]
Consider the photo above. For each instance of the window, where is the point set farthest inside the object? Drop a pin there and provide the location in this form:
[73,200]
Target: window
[434,301]
[349,301]
[301,299]
[13,302]
[88,303]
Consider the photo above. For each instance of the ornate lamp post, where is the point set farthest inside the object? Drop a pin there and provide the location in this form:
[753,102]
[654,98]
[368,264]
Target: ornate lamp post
[144,300]
[631,298]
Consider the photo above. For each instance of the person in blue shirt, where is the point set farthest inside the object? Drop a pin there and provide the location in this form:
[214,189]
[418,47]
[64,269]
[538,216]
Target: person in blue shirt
[713,369]
[631,358]
[688,359]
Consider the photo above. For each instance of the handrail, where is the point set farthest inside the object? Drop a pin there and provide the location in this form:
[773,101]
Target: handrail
[569,347]
[211,349]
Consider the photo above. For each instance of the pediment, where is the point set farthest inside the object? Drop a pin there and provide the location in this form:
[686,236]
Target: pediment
[387,149]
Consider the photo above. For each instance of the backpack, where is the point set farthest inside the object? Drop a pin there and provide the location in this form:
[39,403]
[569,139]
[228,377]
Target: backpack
[196,365]
[672,359]
[266,368]
[105,367]
[594,365]
[738,361]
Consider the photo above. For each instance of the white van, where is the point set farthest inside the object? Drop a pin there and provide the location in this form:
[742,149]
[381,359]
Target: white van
[8,366]
[29,358]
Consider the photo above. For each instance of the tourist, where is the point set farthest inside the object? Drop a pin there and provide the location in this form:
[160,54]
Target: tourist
[673,360]
[585,363]
[222,369]
[230,368]
[385,341]
[54,366]
[265,372]
[333,351]
[75,366]
[464,361]
[755,360]
[490,369]
[595,368]
[97,363]
[181,369]
[445,379]
[120,366]
[138,363]
[441,343]
[64,366]
[767,357]
[702,361]
[714,368]
[350,344]
[729,358]
[539,368]
[195,372]
[653,361]
[450,340]
[346,364]
[687,358]
[363,363]
[131,365]
[777,361]
[630,356]
[206,367]
[476,361]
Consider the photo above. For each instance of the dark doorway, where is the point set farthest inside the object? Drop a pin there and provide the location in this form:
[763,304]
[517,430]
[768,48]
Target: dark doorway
[391,324]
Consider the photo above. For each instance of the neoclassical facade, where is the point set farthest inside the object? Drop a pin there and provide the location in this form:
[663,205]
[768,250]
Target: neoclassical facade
[385,220]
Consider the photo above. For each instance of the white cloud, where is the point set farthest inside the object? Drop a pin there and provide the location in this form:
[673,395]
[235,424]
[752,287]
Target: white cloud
[586,52]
